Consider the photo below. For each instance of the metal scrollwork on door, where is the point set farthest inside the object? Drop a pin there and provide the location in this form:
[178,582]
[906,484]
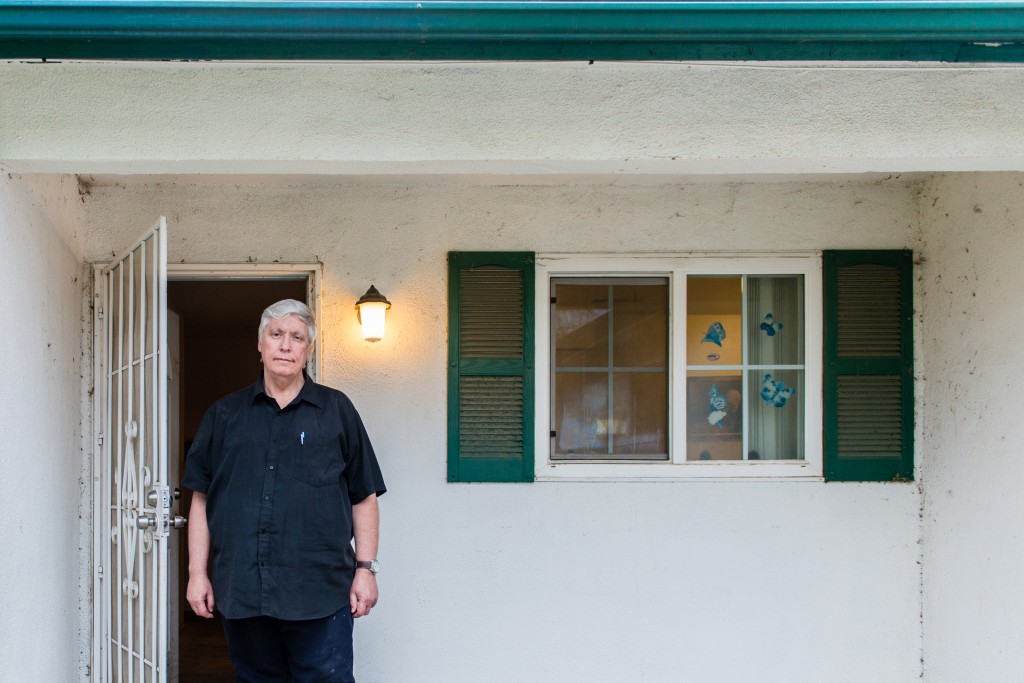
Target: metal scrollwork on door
[129,494]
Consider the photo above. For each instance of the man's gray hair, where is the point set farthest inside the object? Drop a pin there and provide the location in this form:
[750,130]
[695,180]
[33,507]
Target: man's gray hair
[284,308]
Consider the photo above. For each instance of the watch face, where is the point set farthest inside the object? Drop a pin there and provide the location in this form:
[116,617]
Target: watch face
[374,566]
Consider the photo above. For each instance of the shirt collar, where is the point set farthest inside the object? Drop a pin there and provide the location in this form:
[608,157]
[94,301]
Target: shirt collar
[311,392]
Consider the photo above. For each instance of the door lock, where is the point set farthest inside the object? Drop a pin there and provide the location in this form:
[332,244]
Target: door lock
[161,521]
[160,494]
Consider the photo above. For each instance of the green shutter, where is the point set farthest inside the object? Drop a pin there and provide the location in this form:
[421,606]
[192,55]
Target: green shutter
[490,366]
[869,366]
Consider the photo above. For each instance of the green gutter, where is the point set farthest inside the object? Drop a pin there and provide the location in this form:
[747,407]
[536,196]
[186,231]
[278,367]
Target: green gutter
[331,30]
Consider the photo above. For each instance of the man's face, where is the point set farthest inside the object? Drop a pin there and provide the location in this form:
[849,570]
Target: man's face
[284,347]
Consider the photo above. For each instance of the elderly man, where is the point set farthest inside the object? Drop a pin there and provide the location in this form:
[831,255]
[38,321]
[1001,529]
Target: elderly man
[284,479]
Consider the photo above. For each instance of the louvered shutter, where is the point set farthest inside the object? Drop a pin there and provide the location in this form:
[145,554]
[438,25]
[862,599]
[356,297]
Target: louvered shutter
[490,366]
[869,392]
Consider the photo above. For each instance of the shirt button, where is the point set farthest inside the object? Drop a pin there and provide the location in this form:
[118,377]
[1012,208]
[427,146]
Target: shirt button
[271,467]
[266,497]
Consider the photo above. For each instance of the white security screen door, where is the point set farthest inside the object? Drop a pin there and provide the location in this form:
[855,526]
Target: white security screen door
[133,506]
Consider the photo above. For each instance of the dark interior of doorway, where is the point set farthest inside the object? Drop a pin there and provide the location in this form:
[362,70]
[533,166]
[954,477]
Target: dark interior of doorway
[219,320]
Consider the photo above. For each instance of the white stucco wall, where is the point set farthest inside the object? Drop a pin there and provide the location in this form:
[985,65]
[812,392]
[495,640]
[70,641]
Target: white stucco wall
[550,581]
[538,118]
[554,582]
[44,634]
[974,342]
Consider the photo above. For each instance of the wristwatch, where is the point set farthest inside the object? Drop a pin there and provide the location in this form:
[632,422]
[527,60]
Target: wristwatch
[372,565]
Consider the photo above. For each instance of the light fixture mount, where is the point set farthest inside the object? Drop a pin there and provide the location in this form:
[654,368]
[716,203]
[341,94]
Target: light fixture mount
[372,296]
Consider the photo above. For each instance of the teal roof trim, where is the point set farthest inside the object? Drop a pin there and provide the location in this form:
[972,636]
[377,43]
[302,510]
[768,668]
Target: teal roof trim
[487,30]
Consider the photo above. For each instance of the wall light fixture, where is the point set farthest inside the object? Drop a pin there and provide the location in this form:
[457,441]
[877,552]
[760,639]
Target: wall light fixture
[370,310]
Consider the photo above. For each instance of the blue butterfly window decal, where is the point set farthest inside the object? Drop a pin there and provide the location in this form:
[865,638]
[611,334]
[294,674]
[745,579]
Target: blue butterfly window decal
[716,406]
[769,326]
[715,334]
[774,392]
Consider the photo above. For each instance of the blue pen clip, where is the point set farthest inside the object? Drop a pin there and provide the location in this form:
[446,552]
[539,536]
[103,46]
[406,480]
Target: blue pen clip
[302,439]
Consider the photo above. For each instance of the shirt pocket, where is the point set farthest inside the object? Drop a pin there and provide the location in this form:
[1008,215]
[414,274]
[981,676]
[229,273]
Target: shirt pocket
[319,461]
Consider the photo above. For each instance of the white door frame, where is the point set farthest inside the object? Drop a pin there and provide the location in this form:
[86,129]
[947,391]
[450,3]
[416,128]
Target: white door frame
[312,272]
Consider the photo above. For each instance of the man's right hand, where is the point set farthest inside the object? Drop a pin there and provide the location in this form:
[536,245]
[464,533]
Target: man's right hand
[200,595]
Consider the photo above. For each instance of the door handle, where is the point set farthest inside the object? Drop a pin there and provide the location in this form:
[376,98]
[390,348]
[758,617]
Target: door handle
[149,522]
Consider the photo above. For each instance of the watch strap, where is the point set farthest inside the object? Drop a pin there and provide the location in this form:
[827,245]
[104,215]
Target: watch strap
[372,565]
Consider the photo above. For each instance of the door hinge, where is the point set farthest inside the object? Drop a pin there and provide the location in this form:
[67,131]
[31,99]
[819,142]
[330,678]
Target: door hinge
[99,313]
[99,571]
[99,440]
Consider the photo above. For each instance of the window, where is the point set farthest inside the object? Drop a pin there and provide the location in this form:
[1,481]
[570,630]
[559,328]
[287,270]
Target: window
[689,366]
[678,367]
[610,369]
[745,387]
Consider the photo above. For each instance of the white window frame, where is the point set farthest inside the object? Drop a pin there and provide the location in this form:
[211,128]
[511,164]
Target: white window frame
[676,267]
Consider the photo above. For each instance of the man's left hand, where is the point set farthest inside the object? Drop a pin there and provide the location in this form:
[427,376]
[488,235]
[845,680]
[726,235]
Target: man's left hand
[363,596]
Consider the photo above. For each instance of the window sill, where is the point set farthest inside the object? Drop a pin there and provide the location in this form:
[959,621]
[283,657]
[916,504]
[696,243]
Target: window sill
[691,471]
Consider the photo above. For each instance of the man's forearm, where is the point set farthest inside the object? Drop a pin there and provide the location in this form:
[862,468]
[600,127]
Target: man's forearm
[198,536]
[366,527]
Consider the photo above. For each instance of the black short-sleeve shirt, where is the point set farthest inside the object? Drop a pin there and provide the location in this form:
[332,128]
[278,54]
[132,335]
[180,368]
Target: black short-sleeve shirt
[280,485]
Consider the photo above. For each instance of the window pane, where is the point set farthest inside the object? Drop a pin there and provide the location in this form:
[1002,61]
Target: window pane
[775,320]
[714,329]
[581,414]
[610,391]
[640,326]
[581,326]
[641,414]
[776,415]
[714,416]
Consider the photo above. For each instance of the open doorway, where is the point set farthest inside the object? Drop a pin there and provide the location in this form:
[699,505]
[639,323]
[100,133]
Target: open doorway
[212,329]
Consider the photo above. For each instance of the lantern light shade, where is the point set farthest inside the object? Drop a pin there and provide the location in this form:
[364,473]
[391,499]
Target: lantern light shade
[371,310]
